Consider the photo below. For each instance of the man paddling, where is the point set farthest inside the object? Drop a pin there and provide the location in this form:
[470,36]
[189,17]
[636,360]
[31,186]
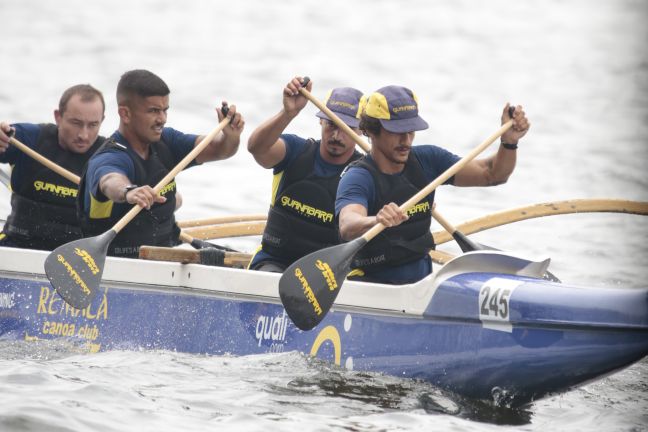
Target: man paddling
[372,188]
[43,214]
[306,174]
[138,155]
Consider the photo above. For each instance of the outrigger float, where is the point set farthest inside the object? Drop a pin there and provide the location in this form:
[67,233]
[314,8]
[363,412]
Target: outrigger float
[485,326]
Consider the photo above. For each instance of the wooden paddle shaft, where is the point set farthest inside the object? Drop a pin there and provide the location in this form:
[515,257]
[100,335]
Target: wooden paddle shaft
[335,119]
[221,220]
[364,145]
[377,229]
[46,162]
[544,209]
[234,229]
[75,179]
[444,222]
[190,256]
[174,172]
[440,257]
[185,238]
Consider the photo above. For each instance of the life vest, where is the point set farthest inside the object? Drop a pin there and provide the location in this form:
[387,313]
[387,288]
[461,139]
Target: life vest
[410,240]
[154,227]
[43,212]
[301,217]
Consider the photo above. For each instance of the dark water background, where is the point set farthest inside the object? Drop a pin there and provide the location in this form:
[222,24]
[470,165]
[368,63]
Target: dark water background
[580,69]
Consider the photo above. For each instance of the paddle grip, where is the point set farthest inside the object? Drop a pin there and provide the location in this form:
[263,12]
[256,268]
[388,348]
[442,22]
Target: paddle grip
[511,110]
[305,81]
[225,110]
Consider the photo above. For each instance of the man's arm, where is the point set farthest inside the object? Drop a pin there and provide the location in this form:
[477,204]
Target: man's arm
[354,220]
[265,143]
[114,186]
[225,144]
[355,192]
[497,168]
[108,175]
[27,133]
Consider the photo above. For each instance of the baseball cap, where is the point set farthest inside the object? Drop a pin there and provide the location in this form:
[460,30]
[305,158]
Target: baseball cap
[345,102]
[397,109]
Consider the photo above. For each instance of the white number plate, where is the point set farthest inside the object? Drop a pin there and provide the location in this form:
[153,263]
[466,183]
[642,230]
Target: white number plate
[494,308]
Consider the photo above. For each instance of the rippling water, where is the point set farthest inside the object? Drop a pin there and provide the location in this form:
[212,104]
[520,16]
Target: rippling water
[579,68]
[47,387]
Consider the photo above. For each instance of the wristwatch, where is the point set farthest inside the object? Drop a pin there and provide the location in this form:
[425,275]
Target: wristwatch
[127,189]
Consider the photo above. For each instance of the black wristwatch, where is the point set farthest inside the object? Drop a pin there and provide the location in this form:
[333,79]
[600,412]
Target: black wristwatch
[127,189]
[510,146]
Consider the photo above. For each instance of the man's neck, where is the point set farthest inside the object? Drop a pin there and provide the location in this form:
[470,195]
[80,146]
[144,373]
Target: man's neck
[385,165]
[342,159]
[140,147]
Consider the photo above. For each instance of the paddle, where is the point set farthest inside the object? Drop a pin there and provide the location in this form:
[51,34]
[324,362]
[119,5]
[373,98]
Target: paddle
[207,256]
[309,286]
[334,118]
[43,160]
[221,220]
[463,241]
[233,229]
[201,244]
[198,244]
[74,269]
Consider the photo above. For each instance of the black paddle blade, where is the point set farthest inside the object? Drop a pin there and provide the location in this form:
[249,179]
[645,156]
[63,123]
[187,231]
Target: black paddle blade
[74,269]
[201,244]
[310,285]
[466,244]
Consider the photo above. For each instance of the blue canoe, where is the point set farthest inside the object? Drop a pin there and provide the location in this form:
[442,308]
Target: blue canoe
[485,326]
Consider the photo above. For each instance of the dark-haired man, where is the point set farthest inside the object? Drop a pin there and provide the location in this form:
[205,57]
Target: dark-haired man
[138,155]
[43,214]
[306,174]
[373,188]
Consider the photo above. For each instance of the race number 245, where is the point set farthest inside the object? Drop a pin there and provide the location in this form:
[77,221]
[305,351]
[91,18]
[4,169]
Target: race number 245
[494,302]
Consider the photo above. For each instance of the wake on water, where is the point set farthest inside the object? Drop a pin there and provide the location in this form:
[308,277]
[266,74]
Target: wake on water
[162,390]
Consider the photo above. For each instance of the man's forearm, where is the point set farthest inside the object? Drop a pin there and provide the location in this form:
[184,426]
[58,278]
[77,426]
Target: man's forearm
[354,224]
[268,132]
[113,186]
[500,166]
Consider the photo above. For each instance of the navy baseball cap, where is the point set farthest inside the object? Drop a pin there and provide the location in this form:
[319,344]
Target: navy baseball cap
[397,109]
[345,102]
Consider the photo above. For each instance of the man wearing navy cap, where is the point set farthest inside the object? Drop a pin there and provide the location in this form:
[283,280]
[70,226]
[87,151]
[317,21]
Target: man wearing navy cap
[306,175]
[372,188]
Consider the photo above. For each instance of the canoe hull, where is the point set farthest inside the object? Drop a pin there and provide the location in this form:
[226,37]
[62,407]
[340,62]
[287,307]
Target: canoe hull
[450,343]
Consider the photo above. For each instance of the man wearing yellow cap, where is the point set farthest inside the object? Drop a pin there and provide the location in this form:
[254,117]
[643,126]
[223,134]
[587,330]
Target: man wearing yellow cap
[372,188]
[306,175]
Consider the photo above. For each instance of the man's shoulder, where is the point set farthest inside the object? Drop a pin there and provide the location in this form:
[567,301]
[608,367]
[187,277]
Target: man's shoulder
[295,143]
[355,173]
[29,132]
[295,147]
[421,149]
[172,136]
[112,153]
[169,131]
[429,153]
[359,166]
